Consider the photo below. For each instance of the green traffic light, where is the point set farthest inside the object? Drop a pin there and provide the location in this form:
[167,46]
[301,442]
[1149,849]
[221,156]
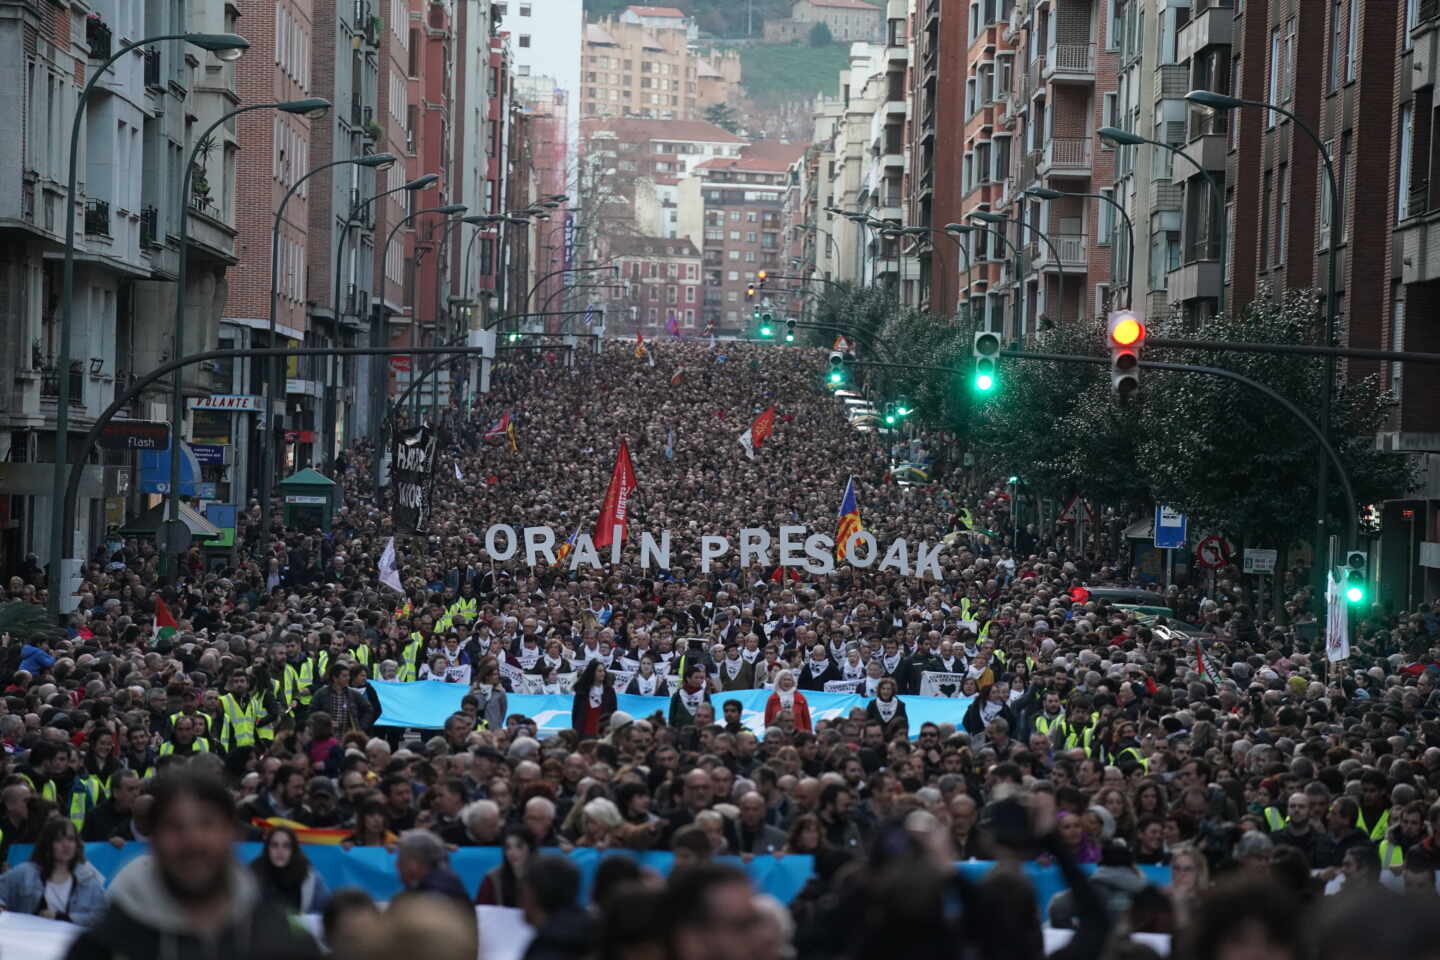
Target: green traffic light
[766,331]
[789,338]
[984,383]
[837,377]
[1354,594]
[889,418]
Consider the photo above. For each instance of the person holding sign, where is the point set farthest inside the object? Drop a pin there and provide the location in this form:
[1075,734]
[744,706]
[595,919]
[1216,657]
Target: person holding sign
[646,682]
[594,701]
[787,697]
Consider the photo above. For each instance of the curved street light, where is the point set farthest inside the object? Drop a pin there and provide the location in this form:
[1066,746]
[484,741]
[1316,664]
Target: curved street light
[1046,193]
[228,47]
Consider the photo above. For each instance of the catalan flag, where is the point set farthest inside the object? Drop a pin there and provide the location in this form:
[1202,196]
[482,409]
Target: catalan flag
[847,521]
[566,547]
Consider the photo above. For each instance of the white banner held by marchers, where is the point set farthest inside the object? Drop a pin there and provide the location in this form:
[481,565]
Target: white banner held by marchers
[1337,620]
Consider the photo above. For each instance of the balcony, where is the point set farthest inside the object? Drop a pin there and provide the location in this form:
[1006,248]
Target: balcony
[1417,241]
[1195,280]
[1211,23]
[97,218]
[1065,157]
[1165,195]
[1070,63]
[149,228]
[50,381]
[357,114]
[153,80]
[1073,249]
[1172,81]
[1206,134]
[1033,86]
[1029,164]
[97,37]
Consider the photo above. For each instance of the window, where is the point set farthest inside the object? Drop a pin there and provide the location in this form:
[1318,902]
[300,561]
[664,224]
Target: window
[1352,43]
[1106,212]
[1411,15]
[1290,59]
[1337,9]
[1406,127]
[1265,191]
[524,9]
[1274,87]
[1282,212]
[1110,112]
[524,40]
[689,294]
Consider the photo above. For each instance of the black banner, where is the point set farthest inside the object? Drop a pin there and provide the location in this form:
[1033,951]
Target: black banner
[412,476]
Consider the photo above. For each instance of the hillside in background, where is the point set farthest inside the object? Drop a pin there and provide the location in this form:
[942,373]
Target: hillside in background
[718,18]
[774,73]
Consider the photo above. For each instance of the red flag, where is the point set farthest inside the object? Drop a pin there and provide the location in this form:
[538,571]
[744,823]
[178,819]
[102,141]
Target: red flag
[754,436]
[165,625]
[616,510]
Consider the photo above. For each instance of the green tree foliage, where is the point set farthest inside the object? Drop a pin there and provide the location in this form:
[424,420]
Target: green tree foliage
[1239,463]
[820,35]
[722,116]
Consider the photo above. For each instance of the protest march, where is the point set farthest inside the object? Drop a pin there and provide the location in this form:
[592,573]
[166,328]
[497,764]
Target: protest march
[589,678]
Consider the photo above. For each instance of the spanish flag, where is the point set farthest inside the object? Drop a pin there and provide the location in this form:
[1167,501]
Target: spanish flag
[847,519]
[566,547]
[327,837]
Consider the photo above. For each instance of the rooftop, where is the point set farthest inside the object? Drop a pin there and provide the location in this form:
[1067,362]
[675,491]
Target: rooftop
[642,130]
[653,247]
[846,5]
[774,156]
[640,11]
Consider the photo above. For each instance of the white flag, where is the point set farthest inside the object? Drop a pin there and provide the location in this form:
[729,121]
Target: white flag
[389,572]
[1337,620]
[747,441]
[457,473]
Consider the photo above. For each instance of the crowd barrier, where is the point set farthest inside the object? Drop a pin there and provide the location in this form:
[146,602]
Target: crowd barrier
[425,704]
[373,868]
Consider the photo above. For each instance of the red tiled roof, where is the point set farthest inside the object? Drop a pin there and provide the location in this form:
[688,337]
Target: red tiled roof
[641,130]
[624,246]
[774,156]
[655,11]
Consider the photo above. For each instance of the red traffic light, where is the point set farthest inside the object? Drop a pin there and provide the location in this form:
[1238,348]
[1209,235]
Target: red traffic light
[1127,331]
[762,274]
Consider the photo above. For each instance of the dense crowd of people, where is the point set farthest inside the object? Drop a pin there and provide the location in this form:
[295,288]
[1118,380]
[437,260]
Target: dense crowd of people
[1213,741]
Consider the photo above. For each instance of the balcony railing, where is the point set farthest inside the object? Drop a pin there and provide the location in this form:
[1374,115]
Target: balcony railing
[50,381]
[97,218]
[1072,58]
[1202,249]
[97,37]
[1071,248]
[152,69]
[149,227]
[1068,152]
[1203,122]
[1419,194]
[1029,164]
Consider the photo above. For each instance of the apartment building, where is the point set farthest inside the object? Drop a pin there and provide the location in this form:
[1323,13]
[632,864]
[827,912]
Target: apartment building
[1064,75]
[659,280]
[731,208]
[643,66]
[850,143]
[939,44]
[551,234]
[146,116]
[847,20]
[341,243]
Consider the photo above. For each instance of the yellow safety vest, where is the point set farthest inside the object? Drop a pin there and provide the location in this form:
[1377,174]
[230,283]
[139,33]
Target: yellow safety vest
[193,716]
[97,789]
[1075,739]
[239,722]
[1140,758]
[362,655]
[1274,820]
[266,727]
[307,675]
[410,658]
[79,805]
[286,688]
[464,608]
[201,746]
[1391,856]
[1377,832]
[1044,724]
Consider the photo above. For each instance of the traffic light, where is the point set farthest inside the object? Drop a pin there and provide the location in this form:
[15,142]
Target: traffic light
[837,367]
[1126,338]
[987,360]
[903,407]
[767,324]
[789,330]
[1357,563]
[750,292]
[760,277]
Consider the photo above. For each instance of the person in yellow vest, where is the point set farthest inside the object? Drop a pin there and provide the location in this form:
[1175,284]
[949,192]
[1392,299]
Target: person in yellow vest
[1077,730]
[1050,715]
[410,657]
[1409,834]
[1374,805]
[54,774]
[284,679]
[184,742]
[312,673]
[241,715]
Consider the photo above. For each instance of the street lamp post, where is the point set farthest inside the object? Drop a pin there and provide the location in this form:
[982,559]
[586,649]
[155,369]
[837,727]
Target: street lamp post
[1015,306]
[273,371]
[226,46]
[311,107]
[965,254]
[996,218]
[1220,101]
[1127,139]
[1045,193]
[328,426]
[378,392]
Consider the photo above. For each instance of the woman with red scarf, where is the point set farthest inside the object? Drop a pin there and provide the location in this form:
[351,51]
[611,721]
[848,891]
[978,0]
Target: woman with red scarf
[787,697]
[594,701]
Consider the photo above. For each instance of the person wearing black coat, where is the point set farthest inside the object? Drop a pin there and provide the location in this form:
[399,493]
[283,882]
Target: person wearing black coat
[816,672]
[990,703]
[887,709]
[594,701]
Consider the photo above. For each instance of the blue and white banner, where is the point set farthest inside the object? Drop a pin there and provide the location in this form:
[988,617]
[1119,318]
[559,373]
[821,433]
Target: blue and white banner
[426,704]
